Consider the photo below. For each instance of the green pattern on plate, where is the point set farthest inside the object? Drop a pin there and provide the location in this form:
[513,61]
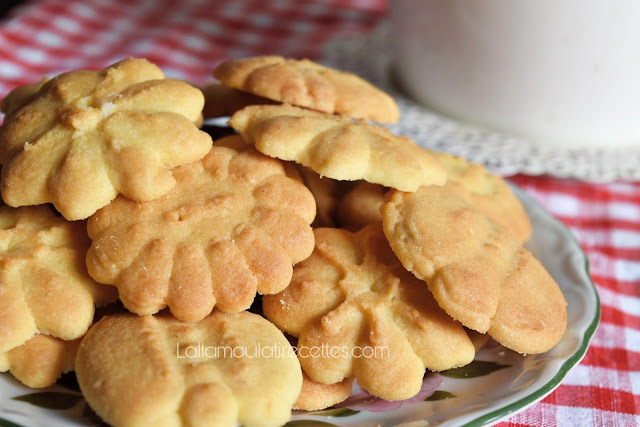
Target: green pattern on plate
[50,399]
[477,368]
[440,395]
[5,423]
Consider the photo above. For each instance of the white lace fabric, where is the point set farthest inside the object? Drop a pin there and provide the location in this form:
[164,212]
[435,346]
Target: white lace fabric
[369,56]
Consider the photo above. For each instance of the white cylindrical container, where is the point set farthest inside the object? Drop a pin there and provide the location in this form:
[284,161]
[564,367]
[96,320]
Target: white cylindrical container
[555,71]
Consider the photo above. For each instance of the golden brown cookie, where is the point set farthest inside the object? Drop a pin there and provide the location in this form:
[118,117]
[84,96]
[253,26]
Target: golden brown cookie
[305,83]
[44,285]
[41,360]
[361,205]
[479,340]
[358,312]
[225,370]
[476,269]
[20,97]
[338,148]
[222,101]
[487,192]
[87,136]
[316,396]
[234,224]
[325,192]
[470,181]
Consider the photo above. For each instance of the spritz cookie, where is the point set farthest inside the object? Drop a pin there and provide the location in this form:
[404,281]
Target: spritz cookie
[305,83]
[338,148]
[233,225]
[87,136]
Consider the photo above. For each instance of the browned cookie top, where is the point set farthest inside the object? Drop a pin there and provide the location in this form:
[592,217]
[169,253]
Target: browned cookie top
[357,311]
[233,225]
[304,83]
[86,136]
[476,268]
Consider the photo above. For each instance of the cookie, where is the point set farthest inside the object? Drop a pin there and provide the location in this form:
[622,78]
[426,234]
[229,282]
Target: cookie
[476,269]
[304,83]
[40,361]
[44,287]
[222,101]
[87,136]
[487,192]
[20,97]
[316,396]
[325,192]
[358,312]
[361,205]
[470,181]
[338,148]
[479,340]
[225,370]
[233,225]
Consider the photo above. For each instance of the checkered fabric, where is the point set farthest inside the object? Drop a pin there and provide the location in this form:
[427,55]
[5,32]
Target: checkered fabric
[188,38]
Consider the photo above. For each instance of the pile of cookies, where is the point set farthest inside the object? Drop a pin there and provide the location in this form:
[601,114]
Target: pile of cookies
[263,271]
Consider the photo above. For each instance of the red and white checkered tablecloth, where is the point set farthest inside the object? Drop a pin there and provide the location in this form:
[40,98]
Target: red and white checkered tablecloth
[188,38]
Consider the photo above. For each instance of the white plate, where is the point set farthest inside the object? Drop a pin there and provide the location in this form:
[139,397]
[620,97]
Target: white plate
[484,399]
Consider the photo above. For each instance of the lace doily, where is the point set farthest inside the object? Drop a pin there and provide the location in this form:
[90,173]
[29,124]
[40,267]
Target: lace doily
[370,57]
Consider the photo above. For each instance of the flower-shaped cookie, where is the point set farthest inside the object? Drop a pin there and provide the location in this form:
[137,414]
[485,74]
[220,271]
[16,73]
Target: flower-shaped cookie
[233,224]
[476,269]
[316,396]
[221,101]
[338,148]
[487,192]
[325,192]
[20,97]
[40,361]
[357,311]
[44,285]
[305,83]
[87,136]
[225,370]
[361,205]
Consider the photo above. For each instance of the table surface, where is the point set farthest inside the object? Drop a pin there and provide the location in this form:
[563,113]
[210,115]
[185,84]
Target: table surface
[189,38]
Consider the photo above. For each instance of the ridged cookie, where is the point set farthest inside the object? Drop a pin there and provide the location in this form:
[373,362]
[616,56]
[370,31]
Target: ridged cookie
[41,360]
[225,370]
[316,396]
[325,192]
[304,83]
[361,205]
[487,192]
[338,148]
[357,312]
[44,285]
[20,97]
[221,101]
[87,136]
[470,181]
[233,225]
[476,269]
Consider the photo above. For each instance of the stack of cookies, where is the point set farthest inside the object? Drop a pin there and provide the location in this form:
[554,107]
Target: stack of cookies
[260,272]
